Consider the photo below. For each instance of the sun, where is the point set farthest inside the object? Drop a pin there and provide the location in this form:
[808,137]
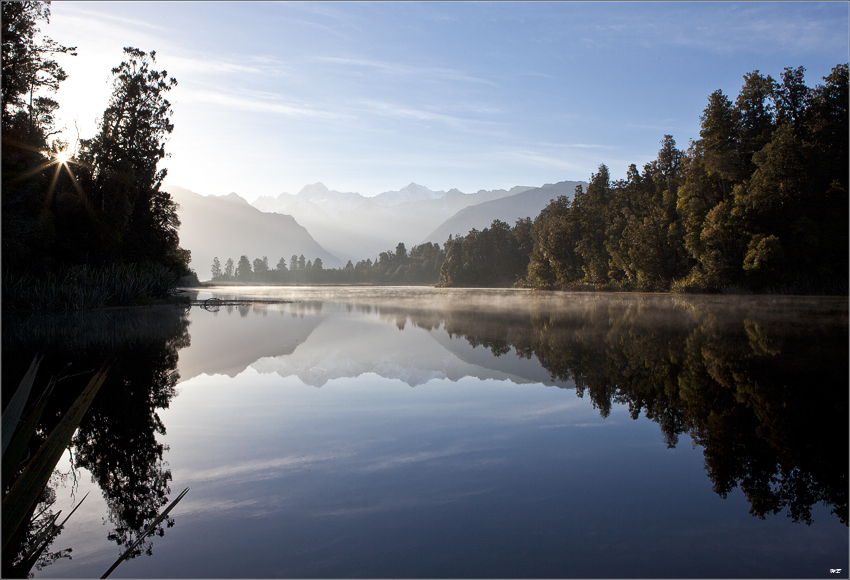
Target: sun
[62,157]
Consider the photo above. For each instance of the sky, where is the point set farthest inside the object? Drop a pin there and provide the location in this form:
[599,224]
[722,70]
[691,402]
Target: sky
[369,97]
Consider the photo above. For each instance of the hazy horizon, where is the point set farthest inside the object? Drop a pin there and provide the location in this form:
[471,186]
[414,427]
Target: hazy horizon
[169,183]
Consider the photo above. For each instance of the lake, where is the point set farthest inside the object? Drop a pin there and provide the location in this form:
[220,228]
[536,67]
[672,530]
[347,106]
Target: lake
[420,432]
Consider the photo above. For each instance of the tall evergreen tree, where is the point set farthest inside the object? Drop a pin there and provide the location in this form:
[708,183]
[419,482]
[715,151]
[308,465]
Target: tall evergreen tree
[243,269]
[591,209]
[138,221]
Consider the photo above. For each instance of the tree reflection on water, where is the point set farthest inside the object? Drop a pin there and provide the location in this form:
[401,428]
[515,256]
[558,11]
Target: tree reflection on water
[117,439]
[764,394]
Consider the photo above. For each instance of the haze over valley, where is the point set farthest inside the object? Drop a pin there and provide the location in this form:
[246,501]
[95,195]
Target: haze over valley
[228,227]
[341,226]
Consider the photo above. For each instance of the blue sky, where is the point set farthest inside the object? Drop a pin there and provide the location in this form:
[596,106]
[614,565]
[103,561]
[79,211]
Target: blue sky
[369,97]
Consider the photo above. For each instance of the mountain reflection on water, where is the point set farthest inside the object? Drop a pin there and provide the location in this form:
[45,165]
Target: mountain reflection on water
[759,383]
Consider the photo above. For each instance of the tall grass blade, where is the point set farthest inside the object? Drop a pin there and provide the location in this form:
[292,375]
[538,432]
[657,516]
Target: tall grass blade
[149,529]
[23,568]
[15,452]
[27,489]
[13,412]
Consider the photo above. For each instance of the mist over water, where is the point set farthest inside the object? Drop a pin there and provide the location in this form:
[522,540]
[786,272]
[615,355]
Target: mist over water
[375,432]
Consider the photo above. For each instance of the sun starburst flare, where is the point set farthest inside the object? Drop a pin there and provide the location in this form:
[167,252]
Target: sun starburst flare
[63,157]
[60,158]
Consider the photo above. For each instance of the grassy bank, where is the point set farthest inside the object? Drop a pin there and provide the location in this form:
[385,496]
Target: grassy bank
[84,287]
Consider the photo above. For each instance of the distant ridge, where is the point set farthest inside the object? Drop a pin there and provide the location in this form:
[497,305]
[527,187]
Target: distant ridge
[355,227]
[527,203]
[228,226]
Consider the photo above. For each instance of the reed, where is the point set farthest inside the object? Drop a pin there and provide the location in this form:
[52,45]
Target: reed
[84,288]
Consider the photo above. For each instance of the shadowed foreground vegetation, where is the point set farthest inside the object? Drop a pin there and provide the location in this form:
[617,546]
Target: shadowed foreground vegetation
[84,225]
[116,440]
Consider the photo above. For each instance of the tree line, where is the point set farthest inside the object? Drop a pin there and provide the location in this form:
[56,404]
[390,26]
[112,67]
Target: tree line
[420,266]
[757,203]
[259,271]
[70,211]
[495,256]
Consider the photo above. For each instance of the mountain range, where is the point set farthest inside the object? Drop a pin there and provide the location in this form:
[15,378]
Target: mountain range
[354,227]
[527,203]
[337,226]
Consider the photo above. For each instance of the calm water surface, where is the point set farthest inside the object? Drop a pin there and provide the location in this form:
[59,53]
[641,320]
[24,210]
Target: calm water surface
[434,433]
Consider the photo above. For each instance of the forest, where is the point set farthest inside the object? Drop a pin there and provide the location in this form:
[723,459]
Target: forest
[87,224]
[757,204]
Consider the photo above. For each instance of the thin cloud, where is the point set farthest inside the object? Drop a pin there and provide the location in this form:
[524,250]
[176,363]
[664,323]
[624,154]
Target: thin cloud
[588,146]
[323,27]
[726,29]
[255,105]
[394,110]
[535,158]
[571,145]
[663,125]
[407,70]
[212,65]
[73,10]
[255,469]
[327,11]
[531,73]
[458,123]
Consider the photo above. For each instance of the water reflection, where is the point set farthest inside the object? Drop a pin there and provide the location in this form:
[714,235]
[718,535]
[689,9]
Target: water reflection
[737,375]
[765,394]
[117,439]
[759,384]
